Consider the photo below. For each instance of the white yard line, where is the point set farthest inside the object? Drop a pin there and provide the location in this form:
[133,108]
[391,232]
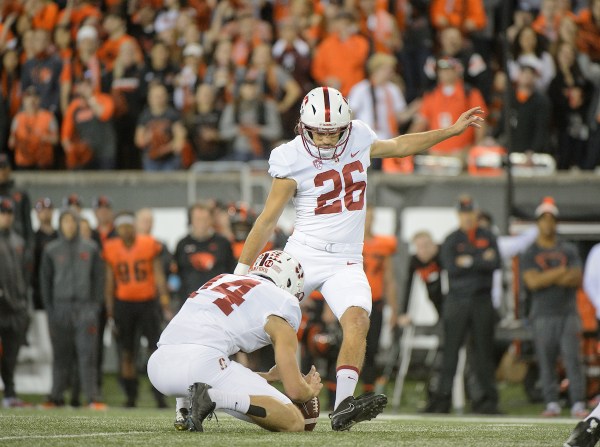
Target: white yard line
[82,435]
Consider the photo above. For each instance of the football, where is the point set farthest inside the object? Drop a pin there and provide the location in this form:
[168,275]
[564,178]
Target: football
[310,410]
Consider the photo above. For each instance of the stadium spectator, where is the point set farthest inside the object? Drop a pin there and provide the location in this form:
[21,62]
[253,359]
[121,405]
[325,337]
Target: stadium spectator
[251,124]
[202,253]
[310,19]
[21,204]
[10,89]
[159,68]
[134,274]
[166,19]
[78,13]
[547,22]
[87,134]
[115,26]
[379,102]
[202,126]
[417,43]
[468,16]
[470,256]
[528,112]
[33,134]
[43,71]
[327,233]
[220,73]
[63,47]
[293,54]
[591,71]
[128,92]
[14,317]
[84,64]
[188,78]
[339,59]
[570,94]
[425,262]
[588,36]
[7,38]
[551,271]
[378,254]
[71,279]
[379,26]
[160,133]
[475,68]
[274,83]
[43,14]
[522,17]
[45,233]
[185,354]
[529,46]
[443,105]
[245,32]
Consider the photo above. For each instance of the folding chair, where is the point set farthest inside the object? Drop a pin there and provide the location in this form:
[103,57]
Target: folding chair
[423,315]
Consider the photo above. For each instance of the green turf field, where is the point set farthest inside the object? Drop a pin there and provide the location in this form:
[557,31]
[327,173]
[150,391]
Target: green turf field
[148,427]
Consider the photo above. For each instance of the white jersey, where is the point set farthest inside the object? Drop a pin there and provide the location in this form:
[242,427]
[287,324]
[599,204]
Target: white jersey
[229,313]
[330,200]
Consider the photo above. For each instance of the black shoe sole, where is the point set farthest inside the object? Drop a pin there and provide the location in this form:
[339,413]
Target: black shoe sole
[366,411]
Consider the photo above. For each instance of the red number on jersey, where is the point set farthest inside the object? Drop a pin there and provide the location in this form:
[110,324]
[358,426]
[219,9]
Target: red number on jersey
[233,292]
[352,203]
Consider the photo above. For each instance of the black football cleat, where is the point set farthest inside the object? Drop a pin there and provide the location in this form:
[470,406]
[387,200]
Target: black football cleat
[352,410]
[585,434]
[202,406]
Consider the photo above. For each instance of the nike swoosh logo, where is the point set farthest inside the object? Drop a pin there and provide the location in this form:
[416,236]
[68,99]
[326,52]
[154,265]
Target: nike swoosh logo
[351,263]
[350,409]
[354,154]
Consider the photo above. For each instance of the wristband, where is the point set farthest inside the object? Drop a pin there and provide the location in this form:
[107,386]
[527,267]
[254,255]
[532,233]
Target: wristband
[241,269]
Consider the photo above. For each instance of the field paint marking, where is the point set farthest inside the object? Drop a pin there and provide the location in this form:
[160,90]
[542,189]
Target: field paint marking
[485,419]
[83,435]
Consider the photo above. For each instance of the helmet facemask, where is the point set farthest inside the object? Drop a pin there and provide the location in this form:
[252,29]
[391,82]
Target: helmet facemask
[324,152]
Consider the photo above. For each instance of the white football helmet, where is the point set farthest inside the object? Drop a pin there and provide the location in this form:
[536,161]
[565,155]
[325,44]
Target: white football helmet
[324,110]
[281,268]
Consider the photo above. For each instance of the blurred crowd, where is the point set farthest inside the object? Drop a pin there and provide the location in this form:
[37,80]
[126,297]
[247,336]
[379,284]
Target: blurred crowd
[162,84]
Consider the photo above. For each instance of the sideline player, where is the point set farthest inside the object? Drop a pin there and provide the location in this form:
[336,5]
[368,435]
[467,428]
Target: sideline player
[232,313]
[324,169]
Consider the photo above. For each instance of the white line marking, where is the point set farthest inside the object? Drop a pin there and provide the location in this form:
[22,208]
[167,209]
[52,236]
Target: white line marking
[83,435]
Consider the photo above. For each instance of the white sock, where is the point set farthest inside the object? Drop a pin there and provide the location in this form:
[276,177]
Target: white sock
[182,402]
[347,378]
[230,401]
[595,413]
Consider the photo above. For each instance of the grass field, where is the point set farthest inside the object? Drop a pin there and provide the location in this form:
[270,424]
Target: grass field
[149,427]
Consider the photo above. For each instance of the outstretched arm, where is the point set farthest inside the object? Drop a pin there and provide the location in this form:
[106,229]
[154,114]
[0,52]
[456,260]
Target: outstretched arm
[411,144]
[282,190]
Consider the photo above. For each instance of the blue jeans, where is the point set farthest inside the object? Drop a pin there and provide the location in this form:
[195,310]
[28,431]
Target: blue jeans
[172,163]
